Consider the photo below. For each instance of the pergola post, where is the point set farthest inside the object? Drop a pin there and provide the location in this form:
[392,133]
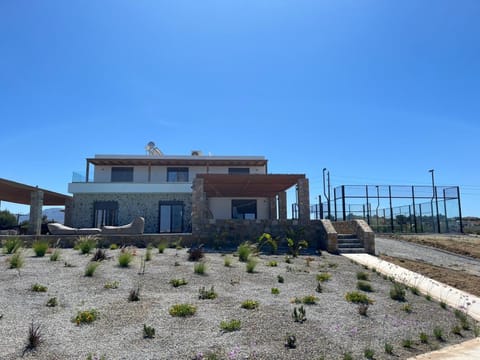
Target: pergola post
[303,201]
[282,205]
[199,205]
[273,207]
[36,204]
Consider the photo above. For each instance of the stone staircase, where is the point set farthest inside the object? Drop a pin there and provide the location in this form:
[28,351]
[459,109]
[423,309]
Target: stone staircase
[349,244]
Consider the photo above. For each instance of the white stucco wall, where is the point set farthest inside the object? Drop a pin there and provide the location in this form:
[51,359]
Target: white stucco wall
[221,208]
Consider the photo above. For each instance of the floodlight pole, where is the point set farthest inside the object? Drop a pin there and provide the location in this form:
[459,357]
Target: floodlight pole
[327,196]
[434,190]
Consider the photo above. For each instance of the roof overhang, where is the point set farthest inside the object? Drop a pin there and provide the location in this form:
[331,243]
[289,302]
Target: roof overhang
[15,192]
[178,161]
[224,185]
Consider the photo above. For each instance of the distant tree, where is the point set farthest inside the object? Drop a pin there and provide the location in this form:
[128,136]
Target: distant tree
[7,220]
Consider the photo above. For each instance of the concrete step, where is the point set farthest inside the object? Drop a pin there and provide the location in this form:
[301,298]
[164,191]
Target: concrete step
[350,244]
[349,250]
[346,236]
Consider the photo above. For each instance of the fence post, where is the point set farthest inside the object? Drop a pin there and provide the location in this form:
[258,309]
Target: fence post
[368,208]
[343,203]
[445,210]
[414,212]
[334,203]
[391,209]
[459,210]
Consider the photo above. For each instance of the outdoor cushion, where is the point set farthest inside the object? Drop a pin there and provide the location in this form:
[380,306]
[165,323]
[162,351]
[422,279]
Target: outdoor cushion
[60,229]
[136,227]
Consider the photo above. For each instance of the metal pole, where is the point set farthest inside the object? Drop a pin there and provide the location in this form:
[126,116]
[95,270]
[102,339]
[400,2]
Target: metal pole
[378,203]
[414,212]
[368,208]
[320,205]
[431,171]
[445,210]
[391,209]
[335,202]
[328,186]
[343,203]
[459,210]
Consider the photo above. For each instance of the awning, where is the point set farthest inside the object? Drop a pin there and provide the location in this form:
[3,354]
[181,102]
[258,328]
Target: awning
[226,185]
[15,192]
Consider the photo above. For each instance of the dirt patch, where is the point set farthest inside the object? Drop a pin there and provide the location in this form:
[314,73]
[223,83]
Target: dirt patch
[458,279]
[467,245]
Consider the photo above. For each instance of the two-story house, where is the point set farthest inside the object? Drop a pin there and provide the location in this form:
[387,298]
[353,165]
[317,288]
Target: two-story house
[161,189]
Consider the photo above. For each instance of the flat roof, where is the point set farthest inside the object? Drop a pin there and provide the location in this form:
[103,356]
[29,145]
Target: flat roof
[225,185]
[19,193]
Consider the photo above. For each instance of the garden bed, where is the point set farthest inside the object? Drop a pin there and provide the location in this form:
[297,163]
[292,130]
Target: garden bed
[333,326]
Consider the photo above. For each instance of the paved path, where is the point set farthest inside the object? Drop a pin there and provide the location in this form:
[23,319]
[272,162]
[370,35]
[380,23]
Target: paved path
[406,250]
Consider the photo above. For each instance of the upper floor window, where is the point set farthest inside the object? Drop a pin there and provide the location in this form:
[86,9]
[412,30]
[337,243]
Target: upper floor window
[122,174]
[177,174]
[236,171]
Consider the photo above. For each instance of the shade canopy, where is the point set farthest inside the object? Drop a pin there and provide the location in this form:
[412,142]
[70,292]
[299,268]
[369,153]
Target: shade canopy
[15,192]
[227,185]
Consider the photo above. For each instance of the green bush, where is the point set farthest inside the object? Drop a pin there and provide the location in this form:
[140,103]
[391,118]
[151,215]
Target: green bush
[125,258]
[182,310]
[113,246]
[85,317]
[55,255]
[251,264]
[250,304]
[358,298]
[231,325]
[40,248]
[148,332]
[438,333]
[111,285]
[178,282]
[275,291]
[397,292]
[16,261]
[204,294]
[86,243]
[244,250]
[280,279]
[227,261]
[148,254]
[52,302]
[272,263]
[11,245]
[90,268]
[200,268]
[324,276]
[309,300]
[39,288]
[269,241]
[364,286]
[162,247]
[363,276]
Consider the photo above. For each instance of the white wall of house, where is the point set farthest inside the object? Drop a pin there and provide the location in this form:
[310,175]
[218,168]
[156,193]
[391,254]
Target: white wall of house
[221,208]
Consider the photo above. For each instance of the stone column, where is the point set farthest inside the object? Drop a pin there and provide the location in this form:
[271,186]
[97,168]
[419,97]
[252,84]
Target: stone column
[68,214]
[36,203]
[303,201]
[273,207]
[199,206]
[282,205]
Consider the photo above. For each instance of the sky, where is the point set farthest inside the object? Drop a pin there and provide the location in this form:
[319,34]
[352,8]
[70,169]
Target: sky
[377,92]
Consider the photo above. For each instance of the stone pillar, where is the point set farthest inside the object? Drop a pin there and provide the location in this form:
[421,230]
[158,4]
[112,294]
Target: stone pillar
[282,205]
[68,213]
[303,201]
[199,206]
[36,203]
[273,207]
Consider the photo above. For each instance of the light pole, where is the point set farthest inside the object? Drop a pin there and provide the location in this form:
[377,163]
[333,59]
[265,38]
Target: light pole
[434,196]
[325,192]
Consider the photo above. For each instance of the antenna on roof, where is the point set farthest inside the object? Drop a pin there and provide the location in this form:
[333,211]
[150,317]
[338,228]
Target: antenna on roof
[152,150]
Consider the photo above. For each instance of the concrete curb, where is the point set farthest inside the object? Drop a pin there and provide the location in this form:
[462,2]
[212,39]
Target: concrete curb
[441,292]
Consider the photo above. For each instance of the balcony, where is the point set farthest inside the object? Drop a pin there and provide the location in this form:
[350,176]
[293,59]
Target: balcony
[118,187]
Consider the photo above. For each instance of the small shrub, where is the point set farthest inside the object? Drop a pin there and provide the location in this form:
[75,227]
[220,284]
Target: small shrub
[272,263]
[52,302]
[280,279]
[407,343]
[291,341]
[308,260]
[40,248]
[457,330]
[99,255]
[178,282]
[362,309]
[364,286]
[269,241]
[388,348]
[85,317]
[162,247]
[347,356]
[95,357]
[90,269]
[423,338]
[407,308]
[438,333]
[476,330]
[55,255]
[227,261]
[250,265]
[463,318]
[230,325]
[332,265]
[250,304]
[16,261]
[148,332]
[111,285]
[11,245]
[182,310]
[414,290]
[358,298]
[319,288]
[363,276]
[369,353]
[299,314]
[275,291]
[68,265]
[324,276]
[113,246]
[204,294]
[86,243]
[34,338]
[39,288]
[288,259]
[125,258]
[244,250]
[428,297]
[200,268]
[134,294]
[148,254]
[443,305]
[195,253]
[309,300]
[397,292]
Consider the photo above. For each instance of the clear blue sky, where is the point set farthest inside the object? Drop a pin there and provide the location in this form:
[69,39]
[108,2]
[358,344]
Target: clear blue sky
[376,91]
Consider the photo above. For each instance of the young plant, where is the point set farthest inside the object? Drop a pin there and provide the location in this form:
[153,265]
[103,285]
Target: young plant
[162,247]
[267,240]
[251,264]
[272,263]
[195,253]
[90,269]
[34,338]
[309,300]
[86,243]
[407,343]
[397,292]
[178,282]
[200,268]
[55,255]
[250,304]
[113,246]
[134,294]
[244,250]
[230,325]
[16,261]
[125,258]
[40,248]
[182,310]
[148,254]
[347,356]
[204,294]
[324,276]
[111,285]
[369,353]
[99,255]
[362,309]
[227,261]
[414,290]
[364,286]
[388,348]
[52,302]
[11,245]
[358,298]
[85,317]
[319,288]
[275,291]
[280,279]
[291,341]
[38,288]
[457,330]
[363,276]
[294,241]
[438,333]
[299,314]
[423,337]
[443,305]
[148,332]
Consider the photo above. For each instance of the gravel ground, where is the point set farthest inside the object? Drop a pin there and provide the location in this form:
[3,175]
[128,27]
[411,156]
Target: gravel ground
[407,250]
[333,325]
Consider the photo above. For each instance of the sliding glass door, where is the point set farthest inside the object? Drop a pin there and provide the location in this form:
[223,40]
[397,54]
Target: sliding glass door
[171,216]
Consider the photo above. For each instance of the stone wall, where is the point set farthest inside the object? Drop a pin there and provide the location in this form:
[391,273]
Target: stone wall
[129,206]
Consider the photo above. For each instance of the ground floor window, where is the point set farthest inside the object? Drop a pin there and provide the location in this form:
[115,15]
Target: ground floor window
[105,213]
[171,216]
[244,209]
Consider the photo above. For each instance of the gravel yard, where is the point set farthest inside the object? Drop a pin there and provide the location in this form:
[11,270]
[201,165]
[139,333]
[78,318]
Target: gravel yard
[333,326]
